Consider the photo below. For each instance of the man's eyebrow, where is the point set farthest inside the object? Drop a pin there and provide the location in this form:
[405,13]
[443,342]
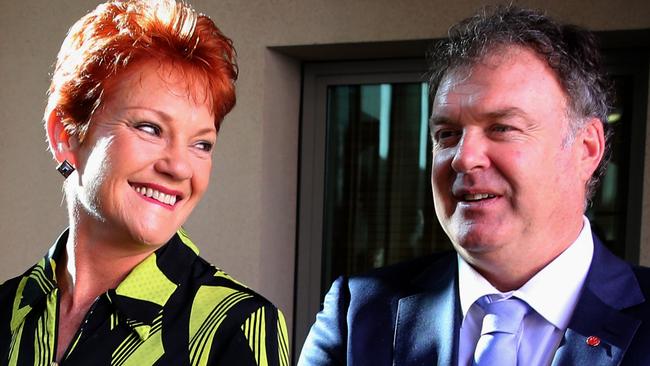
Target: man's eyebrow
[438,120]
[495,115]
[505,113]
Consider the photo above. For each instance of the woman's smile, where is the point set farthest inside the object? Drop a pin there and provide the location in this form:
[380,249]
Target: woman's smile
[157,194]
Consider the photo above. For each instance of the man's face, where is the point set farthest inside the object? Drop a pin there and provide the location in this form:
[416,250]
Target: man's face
[508,183]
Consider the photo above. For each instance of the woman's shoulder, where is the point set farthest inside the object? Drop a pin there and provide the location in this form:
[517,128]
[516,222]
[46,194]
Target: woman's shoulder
[9,288]
[231,324]
[10,285]
[9,291]
[226,312]
[206,283]
[215,286]
[223,310]
[7,295]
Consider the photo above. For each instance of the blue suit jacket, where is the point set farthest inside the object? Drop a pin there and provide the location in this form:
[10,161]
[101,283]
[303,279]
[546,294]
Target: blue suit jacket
[410,314]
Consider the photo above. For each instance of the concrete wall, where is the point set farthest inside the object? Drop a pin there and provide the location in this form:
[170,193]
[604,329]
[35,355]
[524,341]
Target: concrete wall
[246,223]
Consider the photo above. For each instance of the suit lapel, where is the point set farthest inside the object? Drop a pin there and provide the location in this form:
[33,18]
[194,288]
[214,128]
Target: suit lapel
[427,322]
[610,287]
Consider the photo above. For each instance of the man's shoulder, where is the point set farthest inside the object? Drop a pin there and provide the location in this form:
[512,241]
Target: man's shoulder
[369,304]
[642,275]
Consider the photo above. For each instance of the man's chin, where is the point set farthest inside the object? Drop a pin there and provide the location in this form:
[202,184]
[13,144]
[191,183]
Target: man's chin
[477,244]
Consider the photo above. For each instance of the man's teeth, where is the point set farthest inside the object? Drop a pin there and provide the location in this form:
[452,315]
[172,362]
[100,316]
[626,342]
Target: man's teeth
[157,195]
[477,196]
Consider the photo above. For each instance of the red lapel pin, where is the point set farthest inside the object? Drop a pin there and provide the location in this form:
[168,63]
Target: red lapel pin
[593,341]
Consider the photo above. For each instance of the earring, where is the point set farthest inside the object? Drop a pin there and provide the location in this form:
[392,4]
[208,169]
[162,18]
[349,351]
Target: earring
[65,168]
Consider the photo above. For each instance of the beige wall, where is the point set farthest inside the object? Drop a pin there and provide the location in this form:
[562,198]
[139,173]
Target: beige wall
[246,224]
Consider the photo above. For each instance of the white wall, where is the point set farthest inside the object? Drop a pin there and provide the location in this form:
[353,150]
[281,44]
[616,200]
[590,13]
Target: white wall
[246,224]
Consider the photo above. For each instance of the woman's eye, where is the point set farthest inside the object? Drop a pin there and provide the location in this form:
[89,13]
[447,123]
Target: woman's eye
[149,128]
[205,146]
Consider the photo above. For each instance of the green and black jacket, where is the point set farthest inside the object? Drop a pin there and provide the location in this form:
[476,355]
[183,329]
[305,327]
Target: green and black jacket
[174,308]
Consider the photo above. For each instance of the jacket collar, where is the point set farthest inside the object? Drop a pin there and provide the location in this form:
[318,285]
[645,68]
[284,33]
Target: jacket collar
[428,321]
[140,297]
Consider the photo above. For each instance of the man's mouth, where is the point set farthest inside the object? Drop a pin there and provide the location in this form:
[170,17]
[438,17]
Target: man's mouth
[477,197]
[168,199]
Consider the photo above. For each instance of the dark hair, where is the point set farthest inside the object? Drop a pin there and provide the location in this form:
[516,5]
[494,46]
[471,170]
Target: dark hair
[572,52]
[119,33]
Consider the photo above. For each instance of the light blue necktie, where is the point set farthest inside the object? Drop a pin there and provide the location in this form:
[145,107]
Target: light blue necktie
[501,324]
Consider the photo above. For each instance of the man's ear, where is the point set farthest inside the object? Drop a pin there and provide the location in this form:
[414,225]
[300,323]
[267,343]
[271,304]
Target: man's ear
[62,144]
[592,147]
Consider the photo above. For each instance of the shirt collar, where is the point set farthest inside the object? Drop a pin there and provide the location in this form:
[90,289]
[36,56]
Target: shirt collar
[554,303]
[140,296]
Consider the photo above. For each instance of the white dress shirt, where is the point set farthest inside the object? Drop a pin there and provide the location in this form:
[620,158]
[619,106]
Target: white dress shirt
[552,293]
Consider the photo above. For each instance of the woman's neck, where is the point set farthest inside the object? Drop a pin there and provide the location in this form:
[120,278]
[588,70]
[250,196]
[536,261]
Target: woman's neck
[96,259]
[96,262]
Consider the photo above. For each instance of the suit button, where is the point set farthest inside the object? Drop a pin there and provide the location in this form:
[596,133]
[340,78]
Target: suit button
[593,341]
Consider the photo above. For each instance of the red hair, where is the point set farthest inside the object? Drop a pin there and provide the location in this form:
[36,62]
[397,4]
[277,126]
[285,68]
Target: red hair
[117,34]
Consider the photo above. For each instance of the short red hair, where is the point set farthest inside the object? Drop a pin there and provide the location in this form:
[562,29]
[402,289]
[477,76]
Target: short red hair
[119,33]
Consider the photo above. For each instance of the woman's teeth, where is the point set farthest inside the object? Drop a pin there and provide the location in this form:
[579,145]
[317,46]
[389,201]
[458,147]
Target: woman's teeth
[157,195]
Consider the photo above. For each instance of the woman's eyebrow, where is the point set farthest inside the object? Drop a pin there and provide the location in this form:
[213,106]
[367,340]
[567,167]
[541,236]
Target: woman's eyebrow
[164,116]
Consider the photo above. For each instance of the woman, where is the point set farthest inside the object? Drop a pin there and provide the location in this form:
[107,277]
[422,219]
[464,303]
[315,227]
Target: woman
[137,96]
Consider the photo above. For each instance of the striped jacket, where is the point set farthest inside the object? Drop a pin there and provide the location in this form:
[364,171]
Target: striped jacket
[172,309]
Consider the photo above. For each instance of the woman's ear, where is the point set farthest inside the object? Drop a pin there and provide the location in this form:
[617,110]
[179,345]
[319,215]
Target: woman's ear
[62,144]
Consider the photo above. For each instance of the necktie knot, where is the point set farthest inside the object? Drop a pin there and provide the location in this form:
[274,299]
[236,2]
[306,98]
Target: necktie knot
[499,333]
[503,316]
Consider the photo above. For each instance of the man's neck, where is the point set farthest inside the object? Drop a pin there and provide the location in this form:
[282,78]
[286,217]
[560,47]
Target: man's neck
[510,267]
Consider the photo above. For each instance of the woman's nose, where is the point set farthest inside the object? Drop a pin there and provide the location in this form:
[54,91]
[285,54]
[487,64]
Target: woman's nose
[175,162]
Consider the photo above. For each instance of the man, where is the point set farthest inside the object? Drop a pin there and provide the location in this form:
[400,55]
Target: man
[520,140]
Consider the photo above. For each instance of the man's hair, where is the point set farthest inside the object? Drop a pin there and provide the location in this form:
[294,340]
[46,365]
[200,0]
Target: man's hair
[572,52]
[120,33]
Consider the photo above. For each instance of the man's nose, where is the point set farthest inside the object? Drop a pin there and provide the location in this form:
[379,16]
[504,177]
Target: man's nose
[175,162]
[471,153]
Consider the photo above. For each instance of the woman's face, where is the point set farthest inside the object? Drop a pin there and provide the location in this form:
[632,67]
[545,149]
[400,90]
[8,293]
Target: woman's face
[146,159]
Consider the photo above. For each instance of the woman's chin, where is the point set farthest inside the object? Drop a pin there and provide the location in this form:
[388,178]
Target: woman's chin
[151,236]
[156,240]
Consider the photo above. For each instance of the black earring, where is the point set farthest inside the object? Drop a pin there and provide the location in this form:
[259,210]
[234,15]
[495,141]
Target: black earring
[65,168]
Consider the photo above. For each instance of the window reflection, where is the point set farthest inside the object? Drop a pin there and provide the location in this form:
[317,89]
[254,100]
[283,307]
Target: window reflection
[378,205]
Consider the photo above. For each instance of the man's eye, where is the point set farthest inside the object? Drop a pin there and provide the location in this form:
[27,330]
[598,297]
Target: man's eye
[444,135]
[149,128]
[501,128]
